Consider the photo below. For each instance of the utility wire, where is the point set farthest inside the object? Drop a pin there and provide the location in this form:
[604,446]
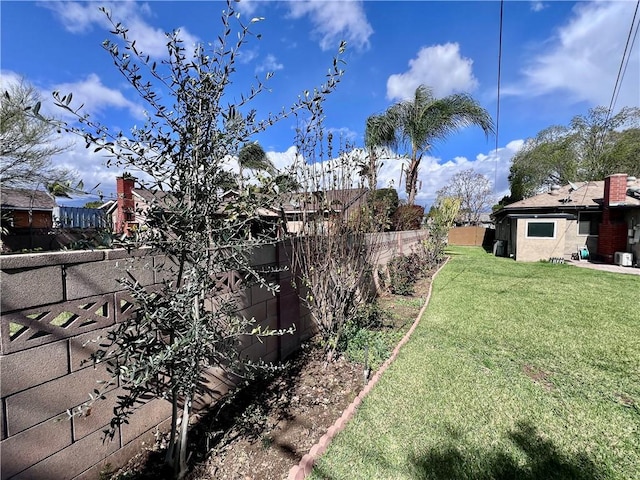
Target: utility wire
[626,64]
[495,171]
[623,62]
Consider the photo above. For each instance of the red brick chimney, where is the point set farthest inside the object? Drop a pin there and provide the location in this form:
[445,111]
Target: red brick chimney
[612,235]
[615,189]
[125,211]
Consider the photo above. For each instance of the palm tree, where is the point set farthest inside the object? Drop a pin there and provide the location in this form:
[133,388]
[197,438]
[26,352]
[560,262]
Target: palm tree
[253,157]
[379,132]
[421,121]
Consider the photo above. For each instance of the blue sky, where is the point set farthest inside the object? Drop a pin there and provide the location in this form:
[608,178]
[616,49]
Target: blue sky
[558,60]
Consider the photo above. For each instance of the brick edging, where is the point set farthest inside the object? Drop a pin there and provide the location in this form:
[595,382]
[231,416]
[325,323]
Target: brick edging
[300,471]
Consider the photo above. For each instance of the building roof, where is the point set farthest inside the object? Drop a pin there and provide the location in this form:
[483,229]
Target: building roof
[336,200]
[586,195]
[25,199]
[148,195]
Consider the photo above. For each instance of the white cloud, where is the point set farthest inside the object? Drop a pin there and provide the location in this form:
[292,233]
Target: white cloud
[246,55]
[283,160]
[91,167]
[583,59]
[245,7]
[334,21]
[269,64]
[80,18]
[97,97]
[537,6]
[440,66]
[435,173]
[342,135]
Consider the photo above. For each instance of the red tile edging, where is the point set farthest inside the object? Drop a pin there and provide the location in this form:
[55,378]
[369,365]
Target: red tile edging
[300,471]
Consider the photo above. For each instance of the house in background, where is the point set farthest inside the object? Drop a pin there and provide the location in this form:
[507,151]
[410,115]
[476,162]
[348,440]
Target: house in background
[603,216]
[128,210]
[27,209]
[301,208]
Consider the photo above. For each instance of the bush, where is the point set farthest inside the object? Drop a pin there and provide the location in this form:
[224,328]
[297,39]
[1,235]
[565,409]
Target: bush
[407,217]
[363,339]
[404,271]
[369,347]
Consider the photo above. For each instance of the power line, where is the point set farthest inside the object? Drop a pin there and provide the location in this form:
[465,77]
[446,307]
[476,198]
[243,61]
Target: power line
[623,63]
[626,64]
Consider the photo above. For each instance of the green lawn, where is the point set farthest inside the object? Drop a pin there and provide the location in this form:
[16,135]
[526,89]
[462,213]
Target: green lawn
[516,371]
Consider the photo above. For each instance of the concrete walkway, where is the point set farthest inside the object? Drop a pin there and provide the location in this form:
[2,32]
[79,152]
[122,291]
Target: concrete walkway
[605,267]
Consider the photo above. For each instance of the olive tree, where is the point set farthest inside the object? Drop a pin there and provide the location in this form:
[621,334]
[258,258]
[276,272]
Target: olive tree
[191,134]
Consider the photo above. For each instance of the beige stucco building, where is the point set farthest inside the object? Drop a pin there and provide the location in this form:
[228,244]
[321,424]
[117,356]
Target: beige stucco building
[601,217]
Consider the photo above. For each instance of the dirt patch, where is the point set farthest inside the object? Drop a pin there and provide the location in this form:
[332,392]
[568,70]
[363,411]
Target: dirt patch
[272,425]
[287,419]
[539,376]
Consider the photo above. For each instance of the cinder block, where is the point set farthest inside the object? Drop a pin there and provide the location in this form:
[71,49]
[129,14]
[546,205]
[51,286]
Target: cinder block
[259,294]
[146,417]
[164,268]
[98,417]
[257,311]
[80,316]
[72,460]
[19,292]
[29,447]
[213,386]
[123,455]
[50,399]
[83,346]
[119,253]
[272,313]
[243,298]
[45,259]
[286,285]
[85,280]
[289,310]
[263,255]
[28,368]
[255,352]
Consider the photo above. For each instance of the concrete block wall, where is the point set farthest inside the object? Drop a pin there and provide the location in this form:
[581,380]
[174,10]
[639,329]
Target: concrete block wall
[55,308]
[390,244]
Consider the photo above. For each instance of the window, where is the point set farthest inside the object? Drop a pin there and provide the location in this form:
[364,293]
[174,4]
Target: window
[541,229]
[588,223]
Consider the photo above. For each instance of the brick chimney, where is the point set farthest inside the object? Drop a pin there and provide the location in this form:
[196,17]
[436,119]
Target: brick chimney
[125,211]
[615,189]
[612,235]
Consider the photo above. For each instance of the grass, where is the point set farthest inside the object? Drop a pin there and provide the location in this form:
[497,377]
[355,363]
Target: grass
[518,371]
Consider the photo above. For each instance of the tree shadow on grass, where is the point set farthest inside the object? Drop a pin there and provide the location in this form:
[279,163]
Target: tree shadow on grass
[543,461]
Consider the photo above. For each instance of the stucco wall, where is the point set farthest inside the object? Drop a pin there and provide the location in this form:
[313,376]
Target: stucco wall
[573,240]
[535,249]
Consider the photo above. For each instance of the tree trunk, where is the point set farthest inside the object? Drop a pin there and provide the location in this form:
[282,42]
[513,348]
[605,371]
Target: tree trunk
[412,180]
[180,468]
